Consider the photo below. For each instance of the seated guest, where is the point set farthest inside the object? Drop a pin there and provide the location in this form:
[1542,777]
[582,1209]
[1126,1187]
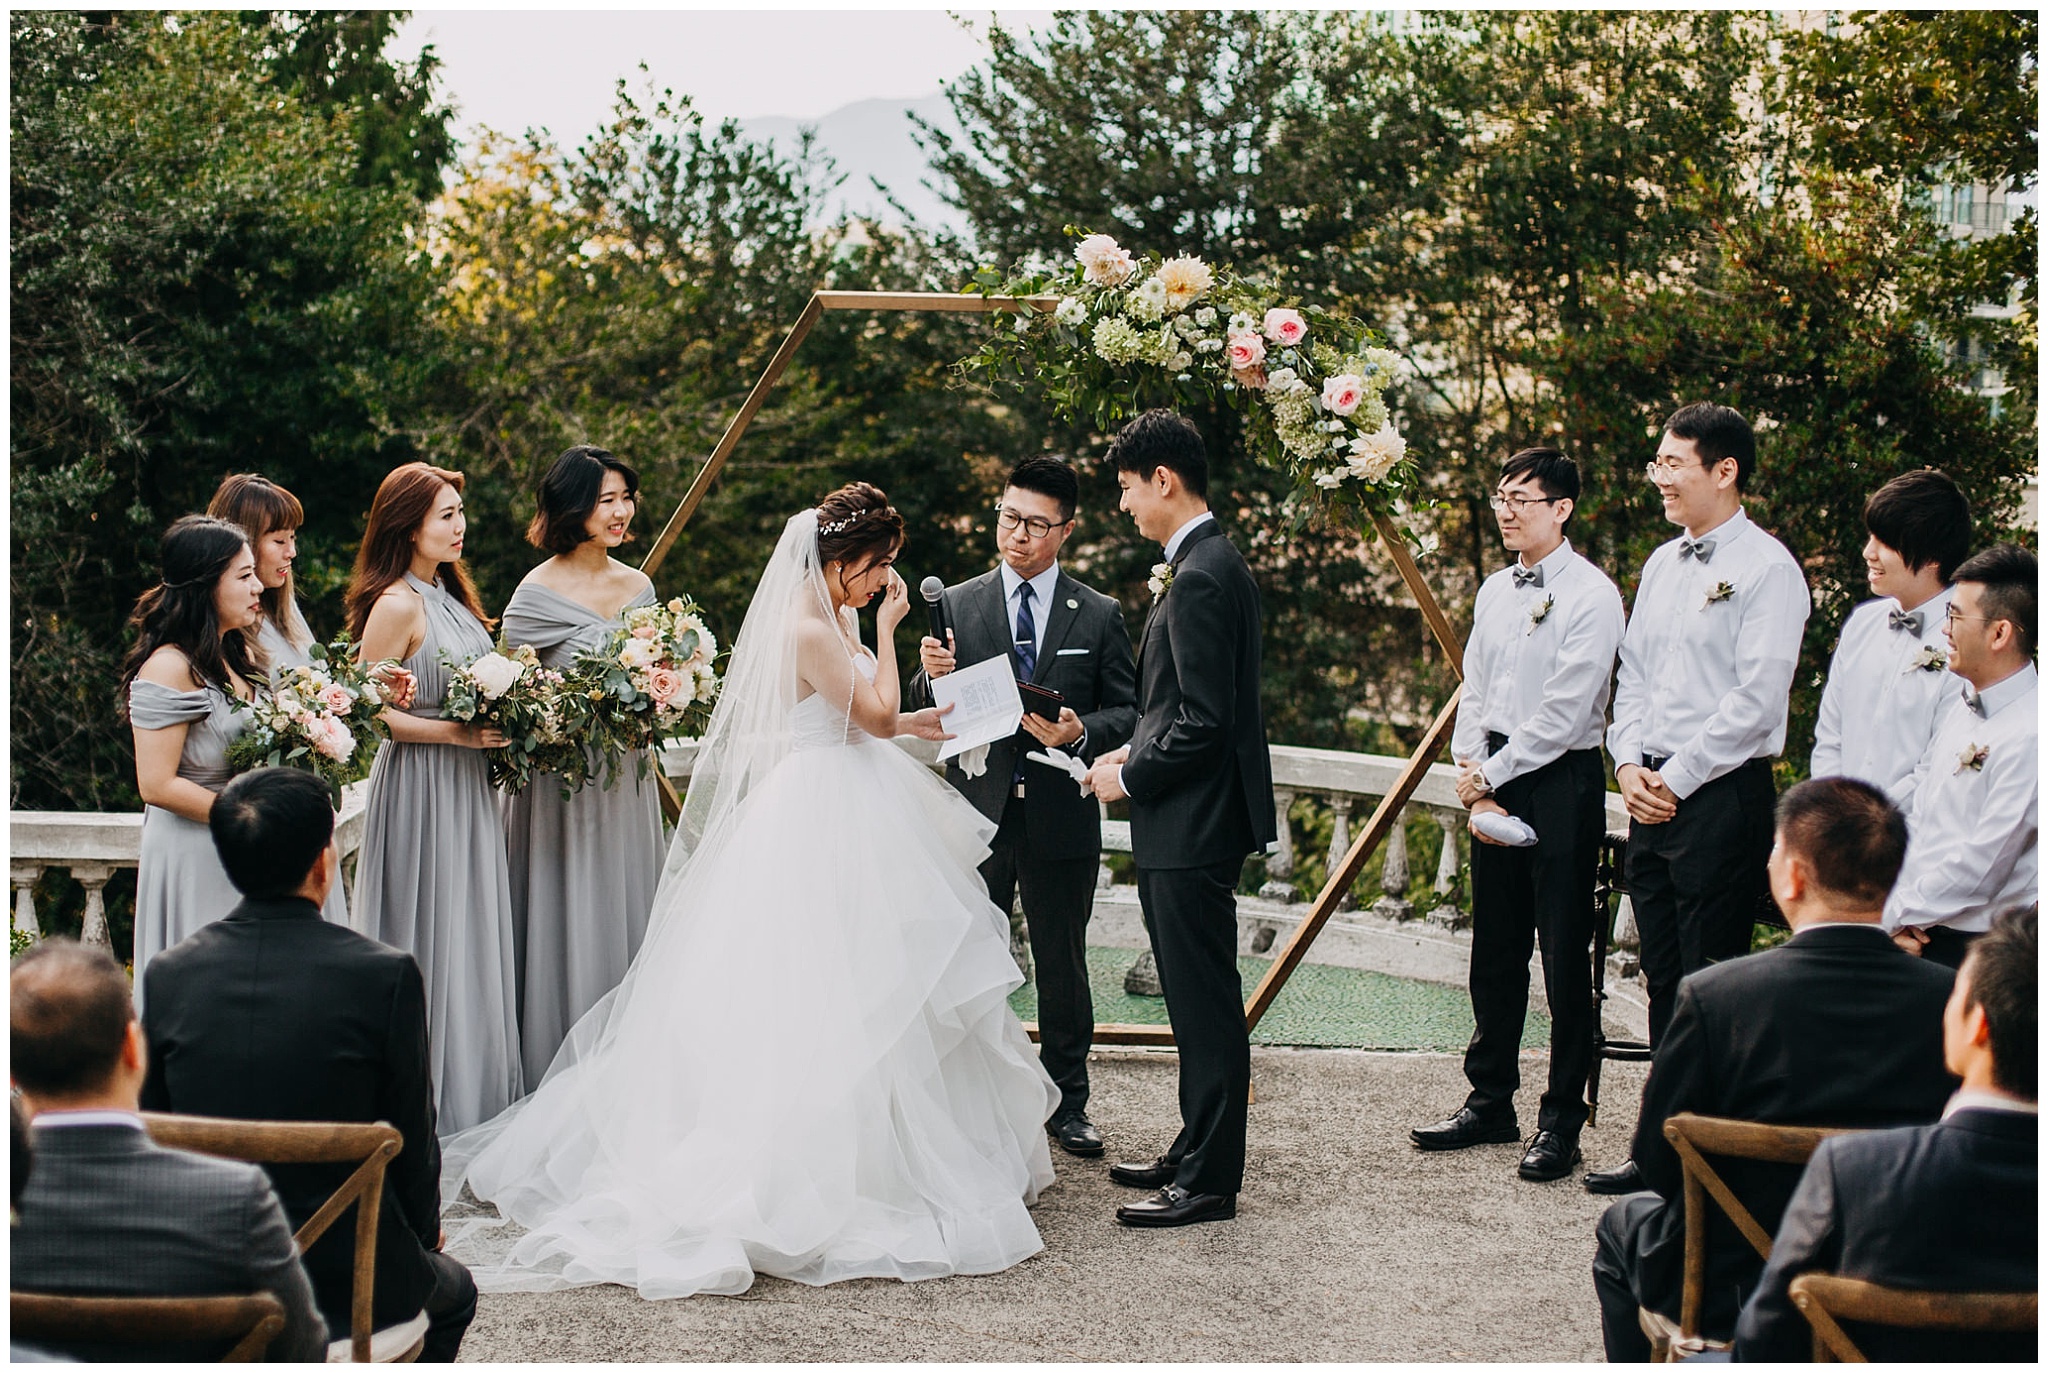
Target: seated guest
[1976,794]
[1834,1027]
[272,1013]
[1888,681]
[108,1213]
[1952,1207]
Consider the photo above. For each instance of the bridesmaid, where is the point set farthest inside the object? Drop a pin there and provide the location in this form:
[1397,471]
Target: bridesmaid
[583,869]
[270,517]
[190,666]
[431,878]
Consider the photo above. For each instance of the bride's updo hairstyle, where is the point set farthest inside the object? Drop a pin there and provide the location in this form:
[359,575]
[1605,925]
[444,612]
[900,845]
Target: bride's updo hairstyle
[856,524]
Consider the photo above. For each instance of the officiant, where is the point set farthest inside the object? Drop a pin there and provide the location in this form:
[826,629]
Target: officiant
[1069,639]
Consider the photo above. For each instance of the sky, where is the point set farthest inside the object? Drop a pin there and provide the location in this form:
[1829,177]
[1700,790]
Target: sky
[520,68]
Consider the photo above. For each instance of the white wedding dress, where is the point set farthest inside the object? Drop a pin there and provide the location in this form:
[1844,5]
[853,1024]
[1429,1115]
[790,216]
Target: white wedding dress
[811,1069]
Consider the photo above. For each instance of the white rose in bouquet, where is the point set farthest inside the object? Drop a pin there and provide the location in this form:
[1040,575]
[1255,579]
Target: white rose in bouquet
[495,674]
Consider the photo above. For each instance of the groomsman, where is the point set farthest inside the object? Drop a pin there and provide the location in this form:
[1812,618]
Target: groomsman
[1200,783]
[1888,680]
[1048,843]
[1538,670]
[1976,794]
[1699,712]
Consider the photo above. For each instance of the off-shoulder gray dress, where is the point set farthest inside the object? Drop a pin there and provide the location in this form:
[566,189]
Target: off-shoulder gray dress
[179,882]
[280,653]
[584,869]
[431,880]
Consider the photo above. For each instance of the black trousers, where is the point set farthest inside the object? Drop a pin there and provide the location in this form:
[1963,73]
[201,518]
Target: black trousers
[1191,918]
[1696,879]
[1059,896]
[450,1307]
[1526,898]
[1639,1260]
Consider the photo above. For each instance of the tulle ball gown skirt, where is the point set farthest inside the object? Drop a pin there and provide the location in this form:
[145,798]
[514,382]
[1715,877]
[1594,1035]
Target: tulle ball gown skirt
[811,1070]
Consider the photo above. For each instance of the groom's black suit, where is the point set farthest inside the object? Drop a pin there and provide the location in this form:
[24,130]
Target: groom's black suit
[1049,840]
[1201,795]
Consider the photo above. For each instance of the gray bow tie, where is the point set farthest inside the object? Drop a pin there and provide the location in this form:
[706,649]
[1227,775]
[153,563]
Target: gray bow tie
[1908,620]
[1703,549]
[1975,701]
[1527,576]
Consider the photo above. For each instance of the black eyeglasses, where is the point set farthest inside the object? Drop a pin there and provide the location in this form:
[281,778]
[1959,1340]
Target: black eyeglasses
[1518,504]
[1034,525]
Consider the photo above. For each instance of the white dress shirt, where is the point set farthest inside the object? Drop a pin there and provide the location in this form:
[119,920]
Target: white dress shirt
[1884,696]
[50,1120]
[1180,535]
[1707,663]
[1539,665]
[1041,596]
[1974,1099]
[1970,849]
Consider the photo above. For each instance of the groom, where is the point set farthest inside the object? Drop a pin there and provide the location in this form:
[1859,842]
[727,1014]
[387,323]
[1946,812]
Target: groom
[1200,786]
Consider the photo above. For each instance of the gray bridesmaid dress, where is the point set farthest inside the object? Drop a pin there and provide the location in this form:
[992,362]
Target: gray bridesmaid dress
[280,652]
[179,882]
[431,880]
[584,869]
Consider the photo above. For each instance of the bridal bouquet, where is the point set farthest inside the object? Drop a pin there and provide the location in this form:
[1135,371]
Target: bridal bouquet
[1126,333]
[509,690]
[321,718]
[654,680]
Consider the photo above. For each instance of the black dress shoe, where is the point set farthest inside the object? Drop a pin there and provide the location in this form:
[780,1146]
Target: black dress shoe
[1075,1135]
[1616,1182]
[1464,1130]
[1148,1176]
[1176,1205]
[1551,1156]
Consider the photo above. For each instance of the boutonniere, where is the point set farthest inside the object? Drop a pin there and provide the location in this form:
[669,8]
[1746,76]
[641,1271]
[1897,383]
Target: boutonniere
[1931,659]
[1160,580]
[1541,613]
[1722,591]
[1972,757]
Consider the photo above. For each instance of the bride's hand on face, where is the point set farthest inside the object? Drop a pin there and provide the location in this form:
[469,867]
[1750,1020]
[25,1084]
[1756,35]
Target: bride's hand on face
[895,603]
[925,724]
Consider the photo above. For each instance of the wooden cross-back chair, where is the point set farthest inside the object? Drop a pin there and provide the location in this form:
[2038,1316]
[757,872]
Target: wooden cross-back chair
[1695,1137]
[249,1322]
[371,1147]
[1826,1301]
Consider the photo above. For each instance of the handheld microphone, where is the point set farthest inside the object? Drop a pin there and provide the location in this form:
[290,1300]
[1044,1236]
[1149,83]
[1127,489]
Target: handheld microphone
[931,588]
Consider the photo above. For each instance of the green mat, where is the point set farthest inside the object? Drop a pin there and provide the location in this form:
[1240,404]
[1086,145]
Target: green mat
[1320,1007]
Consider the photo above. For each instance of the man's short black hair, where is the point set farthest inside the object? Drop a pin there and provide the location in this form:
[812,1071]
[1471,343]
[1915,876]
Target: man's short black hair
[2011,581]
[1557,474]
[2003,970]
[1161,438]
[270,826]
[1718,432]
[68,1013]
[1048,477]
[1923,517]
[1849,833]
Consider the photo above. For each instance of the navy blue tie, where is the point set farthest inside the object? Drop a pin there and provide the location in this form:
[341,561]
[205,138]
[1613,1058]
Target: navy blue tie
[1027,633]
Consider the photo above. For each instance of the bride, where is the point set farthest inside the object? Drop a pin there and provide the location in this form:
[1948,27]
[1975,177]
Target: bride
[811,1070]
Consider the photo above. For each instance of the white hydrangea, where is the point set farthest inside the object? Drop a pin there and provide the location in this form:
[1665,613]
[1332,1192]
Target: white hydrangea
[1147,301]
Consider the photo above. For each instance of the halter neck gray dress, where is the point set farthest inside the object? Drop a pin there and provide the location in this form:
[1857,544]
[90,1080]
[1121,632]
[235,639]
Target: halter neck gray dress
[584,869]
[431,880]
[179,882]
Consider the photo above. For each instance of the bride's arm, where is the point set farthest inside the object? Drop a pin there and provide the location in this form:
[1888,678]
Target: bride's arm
[828,669]
[925,724]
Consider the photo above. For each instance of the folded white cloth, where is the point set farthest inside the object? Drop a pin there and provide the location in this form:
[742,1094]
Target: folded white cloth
[1065,762]
[974,762]
[1504,829]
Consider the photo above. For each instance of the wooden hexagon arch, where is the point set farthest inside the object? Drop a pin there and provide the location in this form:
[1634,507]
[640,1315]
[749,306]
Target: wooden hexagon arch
[1384,817]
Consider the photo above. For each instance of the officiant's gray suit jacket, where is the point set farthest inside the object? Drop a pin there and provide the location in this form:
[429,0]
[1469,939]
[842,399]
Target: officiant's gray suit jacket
[1084,653]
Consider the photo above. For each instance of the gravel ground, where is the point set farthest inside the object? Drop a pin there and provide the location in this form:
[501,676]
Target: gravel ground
[1349,1245]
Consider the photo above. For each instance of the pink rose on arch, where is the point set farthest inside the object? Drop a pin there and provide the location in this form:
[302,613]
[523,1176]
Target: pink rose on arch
[1251,379]
[1286,327]
[1342,394]
[663,684]
[646,632]
[337,699]
[1244,351]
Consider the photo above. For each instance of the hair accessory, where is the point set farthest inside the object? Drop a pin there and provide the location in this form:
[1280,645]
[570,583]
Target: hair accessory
[841,526]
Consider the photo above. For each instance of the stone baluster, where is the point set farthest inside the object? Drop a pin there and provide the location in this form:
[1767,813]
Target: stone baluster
[1446,912]
[1340,842]
[1279,883]
[93,877]
[25,877]
[1394,903]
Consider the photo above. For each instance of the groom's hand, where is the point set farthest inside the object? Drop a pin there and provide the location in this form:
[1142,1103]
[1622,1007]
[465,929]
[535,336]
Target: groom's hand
[1105,779]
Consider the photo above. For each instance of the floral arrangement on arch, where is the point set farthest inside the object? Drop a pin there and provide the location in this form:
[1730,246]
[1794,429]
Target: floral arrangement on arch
[1128,333]
[320,718]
